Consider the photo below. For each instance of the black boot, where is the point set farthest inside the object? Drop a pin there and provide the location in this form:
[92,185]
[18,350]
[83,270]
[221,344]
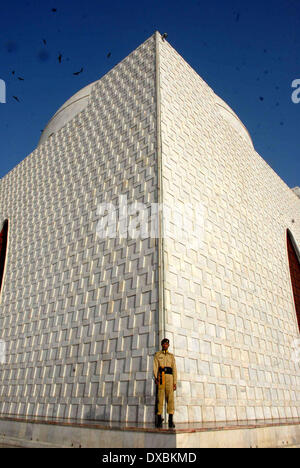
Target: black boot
[171,423]
[158,422]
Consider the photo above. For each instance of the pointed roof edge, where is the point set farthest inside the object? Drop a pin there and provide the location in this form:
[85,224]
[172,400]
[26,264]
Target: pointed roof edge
[78,101]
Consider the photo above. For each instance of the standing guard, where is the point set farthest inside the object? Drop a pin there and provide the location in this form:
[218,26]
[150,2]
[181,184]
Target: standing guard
[165,375]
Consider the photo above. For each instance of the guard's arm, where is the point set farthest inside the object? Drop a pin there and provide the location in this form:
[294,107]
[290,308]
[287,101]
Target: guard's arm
[155,368]
[174,371]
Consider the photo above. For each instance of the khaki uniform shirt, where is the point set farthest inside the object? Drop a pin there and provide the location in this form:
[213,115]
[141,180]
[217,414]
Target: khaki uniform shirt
[162,359]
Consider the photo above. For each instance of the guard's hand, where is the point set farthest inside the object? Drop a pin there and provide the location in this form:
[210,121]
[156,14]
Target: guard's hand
[174,387]
[156,381]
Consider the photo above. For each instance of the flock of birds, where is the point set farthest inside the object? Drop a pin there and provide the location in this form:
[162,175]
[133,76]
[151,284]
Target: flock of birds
[76,73]
[59,58]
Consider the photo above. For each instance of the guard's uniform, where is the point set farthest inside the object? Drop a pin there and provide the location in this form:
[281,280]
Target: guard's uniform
[164,369]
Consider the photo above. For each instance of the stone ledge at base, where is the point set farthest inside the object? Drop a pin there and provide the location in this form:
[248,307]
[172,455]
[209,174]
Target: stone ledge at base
[53,433]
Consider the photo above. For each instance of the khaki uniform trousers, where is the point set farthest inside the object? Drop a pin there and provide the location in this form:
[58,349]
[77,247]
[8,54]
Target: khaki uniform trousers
[166,390]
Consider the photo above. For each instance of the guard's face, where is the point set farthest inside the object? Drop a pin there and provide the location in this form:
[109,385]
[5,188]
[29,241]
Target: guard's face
[165,346]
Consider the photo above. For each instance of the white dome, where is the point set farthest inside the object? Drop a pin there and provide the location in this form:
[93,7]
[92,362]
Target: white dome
[67,112]
[296,190]
[230,116]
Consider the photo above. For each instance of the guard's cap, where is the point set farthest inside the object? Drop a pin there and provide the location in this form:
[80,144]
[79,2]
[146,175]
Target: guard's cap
[165,340]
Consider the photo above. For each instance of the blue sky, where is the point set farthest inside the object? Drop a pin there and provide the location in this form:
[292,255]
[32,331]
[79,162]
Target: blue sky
[248,52]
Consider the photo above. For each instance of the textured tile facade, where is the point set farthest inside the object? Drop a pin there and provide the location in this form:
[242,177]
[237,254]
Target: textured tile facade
[80,315]
[229,303]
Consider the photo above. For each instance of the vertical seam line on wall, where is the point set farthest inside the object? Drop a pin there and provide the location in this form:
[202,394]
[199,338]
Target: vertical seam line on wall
[161,269]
